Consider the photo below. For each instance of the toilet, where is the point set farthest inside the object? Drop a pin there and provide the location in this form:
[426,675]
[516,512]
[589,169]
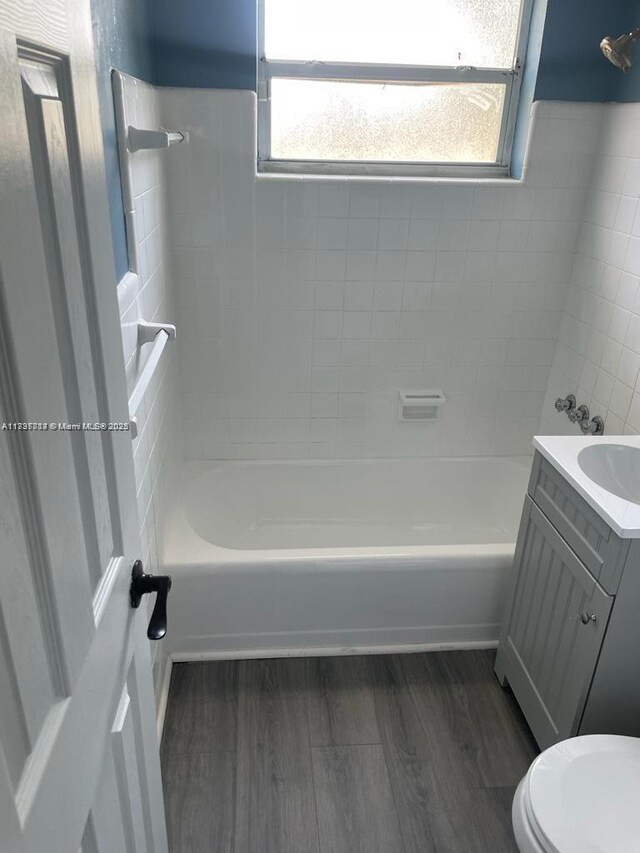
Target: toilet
[581,795]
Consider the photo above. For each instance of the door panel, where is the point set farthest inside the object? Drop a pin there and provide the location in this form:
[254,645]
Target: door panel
[122,815]
[50,157]
[546,652]
[128,782]
[106,821]
[78,746]
[27,685]
[46,485]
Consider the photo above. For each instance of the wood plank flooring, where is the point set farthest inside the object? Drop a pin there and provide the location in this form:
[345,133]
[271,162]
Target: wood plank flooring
[412,753]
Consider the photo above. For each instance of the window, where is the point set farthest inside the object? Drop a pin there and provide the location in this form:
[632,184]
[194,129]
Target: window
[389,86]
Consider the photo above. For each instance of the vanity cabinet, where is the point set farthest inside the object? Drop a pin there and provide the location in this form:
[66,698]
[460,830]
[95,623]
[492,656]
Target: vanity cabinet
[570,641]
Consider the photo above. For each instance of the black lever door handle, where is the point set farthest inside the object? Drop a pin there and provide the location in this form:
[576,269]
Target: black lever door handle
[141,584]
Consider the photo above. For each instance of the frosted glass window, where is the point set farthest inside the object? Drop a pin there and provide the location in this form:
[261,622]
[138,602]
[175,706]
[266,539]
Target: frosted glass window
[332,120]
[426,87]
[403,32]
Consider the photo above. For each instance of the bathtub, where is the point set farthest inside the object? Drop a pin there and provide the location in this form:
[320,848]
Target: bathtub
[328,557]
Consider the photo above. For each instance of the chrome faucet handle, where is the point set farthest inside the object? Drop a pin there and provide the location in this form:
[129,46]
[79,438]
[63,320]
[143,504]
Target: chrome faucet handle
[579,415]
[565,404]
[593,427]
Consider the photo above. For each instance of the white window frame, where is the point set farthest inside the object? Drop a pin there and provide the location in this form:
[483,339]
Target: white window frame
[345,71]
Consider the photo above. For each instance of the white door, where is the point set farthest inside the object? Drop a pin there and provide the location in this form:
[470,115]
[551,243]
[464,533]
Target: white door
[79,765]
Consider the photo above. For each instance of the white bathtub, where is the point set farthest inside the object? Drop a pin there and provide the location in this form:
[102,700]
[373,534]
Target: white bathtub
[315,557]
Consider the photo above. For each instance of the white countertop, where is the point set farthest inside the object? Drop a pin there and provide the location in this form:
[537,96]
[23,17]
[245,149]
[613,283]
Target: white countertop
[562,452]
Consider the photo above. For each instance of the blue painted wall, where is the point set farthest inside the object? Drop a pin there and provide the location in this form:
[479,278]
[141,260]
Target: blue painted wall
[211,44]
[206,44]
[628,87]
[572,67]
[123,39]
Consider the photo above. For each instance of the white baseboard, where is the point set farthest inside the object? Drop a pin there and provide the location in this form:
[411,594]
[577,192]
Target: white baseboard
[163,697]
[328,651]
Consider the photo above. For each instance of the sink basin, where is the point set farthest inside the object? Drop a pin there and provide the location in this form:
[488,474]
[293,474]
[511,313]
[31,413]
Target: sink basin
[614,467]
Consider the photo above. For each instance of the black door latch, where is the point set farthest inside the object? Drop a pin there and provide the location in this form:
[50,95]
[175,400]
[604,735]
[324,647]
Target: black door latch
[141,584]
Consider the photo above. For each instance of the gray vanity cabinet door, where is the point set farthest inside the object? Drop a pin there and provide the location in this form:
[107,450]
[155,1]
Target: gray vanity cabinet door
[550,642]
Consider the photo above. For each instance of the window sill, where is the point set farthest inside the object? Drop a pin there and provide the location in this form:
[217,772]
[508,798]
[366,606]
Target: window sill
[268,171]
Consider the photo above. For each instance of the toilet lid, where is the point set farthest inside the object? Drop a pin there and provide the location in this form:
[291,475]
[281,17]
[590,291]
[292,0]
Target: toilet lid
[583,795]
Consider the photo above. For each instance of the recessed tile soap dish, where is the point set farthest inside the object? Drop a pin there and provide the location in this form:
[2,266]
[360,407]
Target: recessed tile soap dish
[420,405]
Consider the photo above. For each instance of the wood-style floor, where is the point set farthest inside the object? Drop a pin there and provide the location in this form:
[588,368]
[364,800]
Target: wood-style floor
[415,753]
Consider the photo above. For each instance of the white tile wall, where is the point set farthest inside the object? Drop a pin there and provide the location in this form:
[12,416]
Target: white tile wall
[149,296]
[598,353]
[304,305]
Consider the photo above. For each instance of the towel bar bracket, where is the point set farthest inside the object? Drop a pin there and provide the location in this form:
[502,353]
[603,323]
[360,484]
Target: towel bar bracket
[148,332]
[141,139]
